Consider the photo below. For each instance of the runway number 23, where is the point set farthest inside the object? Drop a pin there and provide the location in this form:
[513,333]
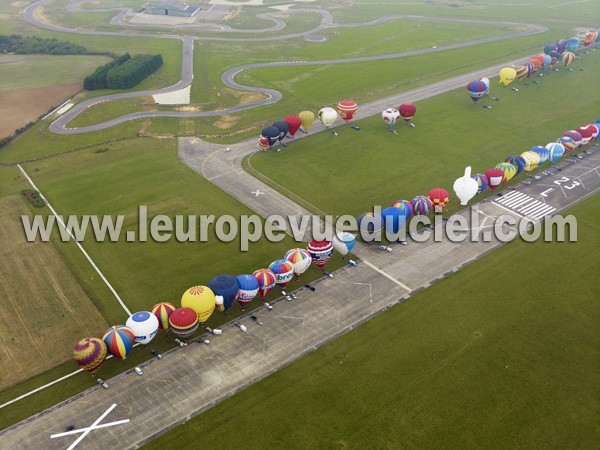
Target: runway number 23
[565,180]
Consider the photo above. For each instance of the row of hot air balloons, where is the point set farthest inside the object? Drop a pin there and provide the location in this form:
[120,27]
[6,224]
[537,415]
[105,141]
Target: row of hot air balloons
[199,302]
[561,50]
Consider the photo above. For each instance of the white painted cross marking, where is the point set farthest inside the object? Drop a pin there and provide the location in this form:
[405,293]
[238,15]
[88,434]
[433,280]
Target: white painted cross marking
[257,193]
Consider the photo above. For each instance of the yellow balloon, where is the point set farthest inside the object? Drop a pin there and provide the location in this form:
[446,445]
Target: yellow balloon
[532,160]
[507,75]
[307,118]
[510,170]
[201,299]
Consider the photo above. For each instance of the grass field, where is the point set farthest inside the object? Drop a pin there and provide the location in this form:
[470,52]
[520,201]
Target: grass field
[375,167]
[498,355]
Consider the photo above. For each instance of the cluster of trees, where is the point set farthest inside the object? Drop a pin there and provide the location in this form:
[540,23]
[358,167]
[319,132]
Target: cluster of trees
[30,45]
[124,72]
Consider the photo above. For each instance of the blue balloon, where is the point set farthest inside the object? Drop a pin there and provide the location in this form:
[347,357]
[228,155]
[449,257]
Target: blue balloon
[556,151]
[543,152]
[271,133]
[283,128]
[547,62]
[394,219]
[225,286]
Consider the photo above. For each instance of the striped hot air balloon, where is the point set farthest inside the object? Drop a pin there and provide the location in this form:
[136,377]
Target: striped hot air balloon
[284,272]
[576,136]
[517,161]
[266,281]
[248,288]
[347,109]
[162,311]
[183,322]
[90,353]
[476,89]
[119,340]
[567,58]
[300,258]
[439,198]
[568,143]
[482,182]
[320,251]
[522,72]
[421,205]
[405,206]
[510,170]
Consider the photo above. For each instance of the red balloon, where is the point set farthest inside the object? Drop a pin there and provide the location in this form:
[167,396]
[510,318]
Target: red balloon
[320,251]
[407,111]
[587,133]
[347,109]
[263,142]
[294,123]
[495,177]
[439,197]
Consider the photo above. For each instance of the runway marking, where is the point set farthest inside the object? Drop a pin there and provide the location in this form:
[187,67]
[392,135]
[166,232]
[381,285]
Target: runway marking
[524,205]
[389,277]
[85,431]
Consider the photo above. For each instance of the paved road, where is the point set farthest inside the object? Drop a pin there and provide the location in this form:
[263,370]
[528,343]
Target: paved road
[190,380]
[272,96]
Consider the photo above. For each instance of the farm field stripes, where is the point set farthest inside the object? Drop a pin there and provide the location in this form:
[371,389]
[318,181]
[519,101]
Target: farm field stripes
[525,205]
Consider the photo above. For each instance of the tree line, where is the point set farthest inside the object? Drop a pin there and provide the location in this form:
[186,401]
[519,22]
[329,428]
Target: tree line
[33,45]
[123,73]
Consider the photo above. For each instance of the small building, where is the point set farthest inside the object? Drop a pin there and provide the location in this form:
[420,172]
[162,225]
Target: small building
[177,9]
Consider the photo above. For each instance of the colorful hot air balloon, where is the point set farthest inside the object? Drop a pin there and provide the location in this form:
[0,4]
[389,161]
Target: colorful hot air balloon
[486,81]
[119,340]
[572,44]
[575,136]
[300,258]
[347,109]
[327,116]
[421,205]
[476,89]
[370,226]
[556,150]
[343,242]
[271,134]
[542,151]
[284,272]
[144,326]
[266,281]
[510,170]
[320,251]
[307,118]
[507,75]
[547,62]
[248,288]
[587,134]
[263,142]
[394,219]
[407,111]
[294,123]
[595,127]
[283,128]
[532,160]
[465,187]
[522,72]
[516,161]
[561,45]
[225,286]
[183,322]
[90,353]
[567,143]
[162,311]
[530,69]
[537,61]
[482,182]
[390,116]
[567,58]
[201,299]
[494,176]
[405,206]
[439,198]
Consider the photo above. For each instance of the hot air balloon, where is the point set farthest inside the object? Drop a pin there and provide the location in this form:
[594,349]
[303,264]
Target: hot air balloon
[320,251]
[271,134]
[293,123]
[595,129]
[370,226]
[119,340]
[549,48]
[405,206]
[522,72]
[219,303]
[547,62]
[300,258]
[394,219]
[587,134]
[494,176]
[307,118]
[575,136]
[283,128]
[439,198]
[465,187]
[162,311]
[537,61]
[556,151]
[284,272]
[184,322]
[201,299]
[144,326]
[421,205]
[532,160]
[347,109]
[476,89]
[572,44]
[248,288]
[266,281]
[530,69]
[567,143]
[327,116]
[567,58]
[510,170]
[561,45]
[543,152]
[90,353]
[507,75]
[343,242]
[263,142]
[390,116]
[407,111]
[482,182]
[516,161]
[225,286]
[486,81]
